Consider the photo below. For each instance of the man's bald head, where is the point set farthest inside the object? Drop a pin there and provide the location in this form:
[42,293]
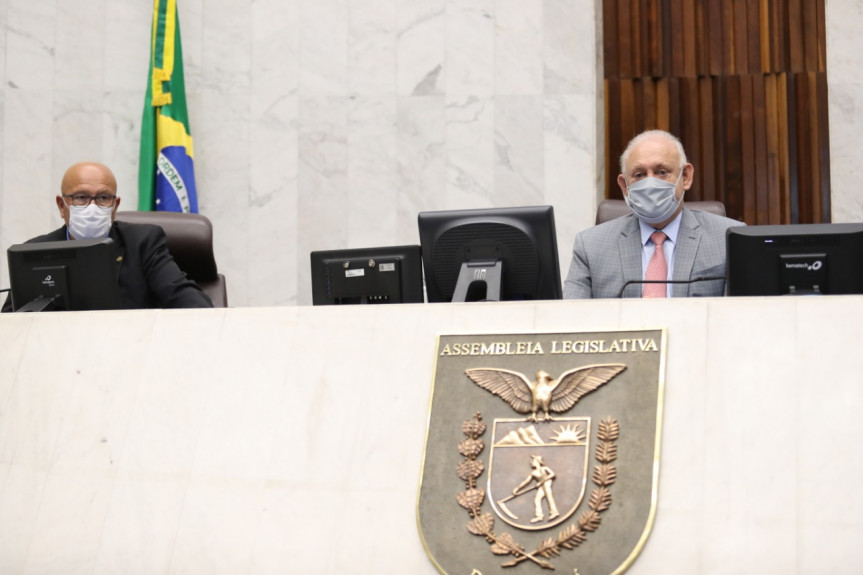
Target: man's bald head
[91,174]
[90,178]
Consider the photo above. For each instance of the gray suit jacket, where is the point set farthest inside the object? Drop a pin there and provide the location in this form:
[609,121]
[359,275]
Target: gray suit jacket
[607,256]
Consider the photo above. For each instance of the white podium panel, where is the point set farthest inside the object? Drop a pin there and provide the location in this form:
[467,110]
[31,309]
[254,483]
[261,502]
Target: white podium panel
[290,440]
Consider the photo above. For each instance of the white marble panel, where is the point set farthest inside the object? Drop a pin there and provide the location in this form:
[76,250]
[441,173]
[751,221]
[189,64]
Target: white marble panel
[470,152]
[572,179]
[71,516]
[28,186]
[126,45]
[375,512]
[842,39]
[275,47]
[218,526]
[4,274]
[79,58]
[241,455]
[192,30]
[480,317]
[577,317]
[322,180]
[13,337]
[845,98]
[372,165]
[572,47]
[421,156]
[30,44]
[828,401]
[167,420]
[222,160]
[324,54]
[372,40]
[470,52]
[141,523]
[518,47]
[329,389]
[227,46]
[845,103]
[682,466]
[77,130]
[246,396]
[297,530]
[421,47]
[519,151]
[273,217]
[746,463]
[20,500]
[4,32]
[120,141]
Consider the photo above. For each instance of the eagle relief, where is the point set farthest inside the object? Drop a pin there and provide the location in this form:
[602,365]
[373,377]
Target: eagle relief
[557,470]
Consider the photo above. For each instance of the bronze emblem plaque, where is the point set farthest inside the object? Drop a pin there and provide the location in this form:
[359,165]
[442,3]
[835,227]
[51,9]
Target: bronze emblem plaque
[542,452]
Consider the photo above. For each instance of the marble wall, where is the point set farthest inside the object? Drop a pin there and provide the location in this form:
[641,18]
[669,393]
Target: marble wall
[322,124]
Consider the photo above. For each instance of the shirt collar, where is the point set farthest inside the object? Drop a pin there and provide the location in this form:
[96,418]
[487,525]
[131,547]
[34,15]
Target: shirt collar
[670,230]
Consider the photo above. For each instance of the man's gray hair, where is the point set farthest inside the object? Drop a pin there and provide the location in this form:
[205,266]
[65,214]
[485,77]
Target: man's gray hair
[651,134]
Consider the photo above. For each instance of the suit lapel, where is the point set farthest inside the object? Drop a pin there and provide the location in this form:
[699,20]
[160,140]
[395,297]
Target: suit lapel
[688,238]
[119,246]
[629,245]
[56,236]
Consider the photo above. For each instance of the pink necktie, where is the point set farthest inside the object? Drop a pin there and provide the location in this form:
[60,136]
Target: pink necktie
[657,268]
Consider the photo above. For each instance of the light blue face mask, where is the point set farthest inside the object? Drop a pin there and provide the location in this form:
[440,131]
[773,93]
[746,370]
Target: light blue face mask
[653,200]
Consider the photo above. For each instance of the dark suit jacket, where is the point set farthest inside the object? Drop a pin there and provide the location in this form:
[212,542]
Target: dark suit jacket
[148,275]
[607,256]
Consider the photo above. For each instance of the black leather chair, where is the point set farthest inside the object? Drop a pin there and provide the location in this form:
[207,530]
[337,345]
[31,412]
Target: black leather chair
[611,208]
[190,241]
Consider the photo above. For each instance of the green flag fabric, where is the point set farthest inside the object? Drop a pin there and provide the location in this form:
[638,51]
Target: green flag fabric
[166,172]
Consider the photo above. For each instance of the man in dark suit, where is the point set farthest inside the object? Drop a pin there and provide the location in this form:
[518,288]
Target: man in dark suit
[148,276]
[659,241]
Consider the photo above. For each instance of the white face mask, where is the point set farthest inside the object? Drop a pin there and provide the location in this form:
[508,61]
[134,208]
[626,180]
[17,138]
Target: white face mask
[653,200]
[89,222]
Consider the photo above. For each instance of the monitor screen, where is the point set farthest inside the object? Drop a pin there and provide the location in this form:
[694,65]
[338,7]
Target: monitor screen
[490,254]
[367,276]
[795,259]
[64,276]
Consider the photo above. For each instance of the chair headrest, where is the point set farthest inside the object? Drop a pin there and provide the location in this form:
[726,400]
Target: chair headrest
[190,240]
[610,209]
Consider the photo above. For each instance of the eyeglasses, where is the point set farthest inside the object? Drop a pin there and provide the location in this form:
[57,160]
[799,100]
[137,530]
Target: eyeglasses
[102,200]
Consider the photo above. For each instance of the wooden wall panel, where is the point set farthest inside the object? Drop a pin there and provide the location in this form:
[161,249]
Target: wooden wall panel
[743,83]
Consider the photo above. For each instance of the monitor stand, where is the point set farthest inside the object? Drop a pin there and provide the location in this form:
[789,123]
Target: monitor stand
[478,280]
[41,303]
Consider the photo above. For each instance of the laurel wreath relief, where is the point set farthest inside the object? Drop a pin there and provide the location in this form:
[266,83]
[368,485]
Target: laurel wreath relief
[469,470]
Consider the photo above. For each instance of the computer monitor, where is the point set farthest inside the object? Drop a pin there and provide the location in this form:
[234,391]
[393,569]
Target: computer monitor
[795,259]
[490,254]
[64,276]
[367,276]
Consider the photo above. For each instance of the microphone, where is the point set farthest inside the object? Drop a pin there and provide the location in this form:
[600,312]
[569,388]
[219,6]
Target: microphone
[666,282]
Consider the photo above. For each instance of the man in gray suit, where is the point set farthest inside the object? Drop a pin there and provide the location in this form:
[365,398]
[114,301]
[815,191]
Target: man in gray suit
[608,258]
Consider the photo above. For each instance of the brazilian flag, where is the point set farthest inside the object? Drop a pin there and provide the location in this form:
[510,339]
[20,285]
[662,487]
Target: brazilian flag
[166,174]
